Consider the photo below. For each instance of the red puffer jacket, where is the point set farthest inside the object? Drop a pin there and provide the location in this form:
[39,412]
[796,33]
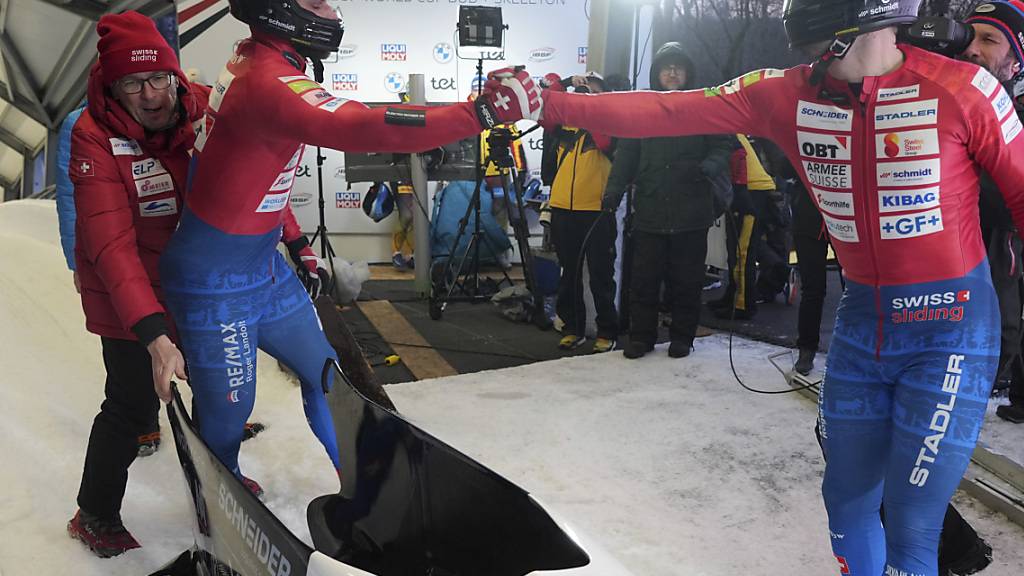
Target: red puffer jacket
[129,192]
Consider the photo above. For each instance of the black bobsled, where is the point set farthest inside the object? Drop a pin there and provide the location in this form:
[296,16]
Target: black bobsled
[412,505]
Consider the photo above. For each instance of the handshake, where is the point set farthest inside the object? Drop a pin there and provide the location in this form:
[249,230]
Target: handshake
[510,94]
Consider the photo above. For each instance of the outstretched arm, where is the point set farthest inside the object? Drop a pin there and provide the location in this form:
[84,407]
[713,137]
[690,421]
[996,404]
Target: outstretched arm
[303,110]
[744,105]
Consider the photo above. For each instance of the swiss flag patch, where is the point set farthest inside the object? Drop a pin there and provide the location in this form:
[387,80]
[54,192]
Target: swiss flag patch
[82,166]
[963,296]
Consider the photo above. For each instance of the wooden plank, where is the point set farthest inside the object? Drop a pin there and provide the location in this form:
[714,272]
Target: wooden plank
[393,327]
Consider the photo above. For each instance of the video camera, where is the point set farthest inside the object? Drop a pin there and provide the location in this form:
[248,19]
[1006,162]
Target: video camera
[939,34]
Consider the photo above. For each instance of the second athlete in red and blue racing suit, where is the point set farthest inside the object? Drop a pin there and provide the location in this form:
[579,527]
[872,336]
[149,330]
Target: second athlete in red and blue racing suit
[229,289]
[894,174]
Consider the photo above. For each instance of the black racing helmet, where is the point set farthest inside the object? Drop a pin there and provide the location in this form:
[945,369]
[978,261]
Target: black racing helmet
[311,35]
[809,21]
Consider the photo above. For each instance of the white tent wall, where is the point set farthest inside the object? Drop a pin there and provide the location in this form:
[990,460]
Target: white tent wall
[384,43]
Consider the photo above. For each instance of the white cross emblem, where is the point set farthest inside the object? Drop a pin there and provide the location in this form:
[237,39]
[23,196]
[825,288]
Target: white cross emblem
[85,167]
[501,101]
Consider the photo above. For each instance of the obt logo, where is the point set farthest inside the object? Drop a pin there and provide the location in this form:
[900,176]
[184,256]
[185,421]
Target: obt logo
[819,150]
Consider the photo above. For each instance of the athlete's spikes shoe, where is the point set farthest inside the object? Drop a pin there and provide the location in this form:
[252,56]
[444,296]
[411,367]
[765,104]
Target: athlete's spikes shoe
[149,444]
[252,486]
[106,538]
[571,342]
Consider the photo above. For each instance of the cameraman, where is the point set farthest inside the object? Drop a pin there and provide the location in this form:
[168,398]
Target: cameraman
[998,29]
[576,165]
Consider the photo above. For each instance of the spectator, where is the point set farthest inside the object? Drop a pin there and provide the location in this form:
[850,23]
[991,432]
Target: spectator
[997,46]
[672,211]
[128,164]
[579,230]
[403,240]
[149,442]
[751,188]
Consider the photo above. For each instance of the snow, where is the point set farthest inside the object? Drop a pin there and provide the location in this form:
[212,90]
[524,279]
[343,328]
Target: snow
[666,466]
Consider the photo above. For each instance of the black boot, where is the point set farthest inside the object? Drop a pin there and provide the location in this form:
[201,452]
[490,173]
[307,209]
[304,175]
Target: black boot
[636,349]
[1011,413]
[679,349]
[805,363]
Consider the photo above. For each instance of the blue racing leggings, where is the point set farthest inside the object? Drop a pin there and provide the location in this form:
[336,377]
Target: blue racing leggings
[229,295]
[908,377]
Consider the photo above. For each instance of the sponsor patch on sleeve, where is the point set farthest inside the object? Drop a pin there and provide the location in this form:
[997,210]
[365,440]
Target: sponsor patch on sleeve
[1011,128]
[288,79]
[273,202]
[332,105]
[304,85]
[985,82]
[83,166]
[1002,105]
[220,88]
[317,97]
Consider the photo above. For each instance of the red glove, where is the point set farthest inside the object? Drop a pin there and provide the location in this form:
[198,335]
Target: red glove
[310,268]
[510,94]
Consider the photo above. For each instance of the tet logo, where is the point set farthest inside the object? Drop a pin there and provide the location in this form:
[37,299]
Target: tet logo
[347,200]
[393,52]
[345,82]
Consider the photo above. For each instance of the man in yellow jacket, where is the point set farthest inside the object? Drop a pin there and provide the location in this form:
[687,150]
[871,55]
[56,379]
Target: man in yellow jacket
[582,169]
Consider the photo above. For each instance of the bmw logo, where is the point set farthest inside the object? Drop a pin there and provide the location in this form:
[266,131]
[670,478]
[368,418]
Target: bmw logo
[443,52]
[395,82]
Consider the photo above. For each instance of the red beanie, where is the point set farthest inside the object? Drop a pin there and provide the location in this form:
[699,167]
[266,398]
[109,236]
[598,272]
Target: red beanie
[130,43]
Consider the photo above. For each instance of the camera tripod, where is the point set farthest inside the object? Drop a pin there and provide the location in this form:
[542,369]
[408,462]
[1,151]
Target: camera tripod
[326,250]
[447,277]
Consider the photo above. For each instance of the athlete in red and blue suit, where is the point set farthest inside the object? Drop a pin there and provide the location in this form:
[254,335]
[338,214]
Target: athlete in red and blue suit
[889,141]
[229,289]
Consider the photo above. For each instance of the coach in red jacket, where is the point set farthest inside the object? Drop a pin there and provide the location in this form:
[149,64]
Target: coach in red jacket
[130,152]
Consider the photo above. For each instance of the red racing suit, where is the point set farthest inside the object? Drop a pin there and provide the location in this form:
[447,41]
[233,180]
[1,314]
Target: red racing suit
[274,108]
[227,286]
[866,167]
[893,168]
[129,192]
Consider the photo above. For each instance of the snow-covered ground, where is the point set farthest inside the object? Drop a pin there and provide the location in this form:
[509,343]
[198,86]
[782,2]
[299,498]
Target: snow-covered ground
[667,465]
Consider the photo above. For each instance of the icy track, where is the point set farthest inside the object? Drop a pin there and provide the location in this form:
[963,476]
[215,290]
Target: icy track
[668,465]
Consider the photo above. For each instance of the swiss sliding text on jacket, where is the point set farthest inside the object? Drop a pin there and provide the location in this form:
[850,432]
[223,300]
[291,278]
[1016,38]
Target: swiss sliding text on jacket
[895,176]
[228,287]
[129,191]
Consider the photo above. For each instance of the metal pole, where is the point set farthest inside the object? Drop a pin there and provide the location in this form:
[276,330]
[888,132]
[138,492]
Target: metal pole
[420,220]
